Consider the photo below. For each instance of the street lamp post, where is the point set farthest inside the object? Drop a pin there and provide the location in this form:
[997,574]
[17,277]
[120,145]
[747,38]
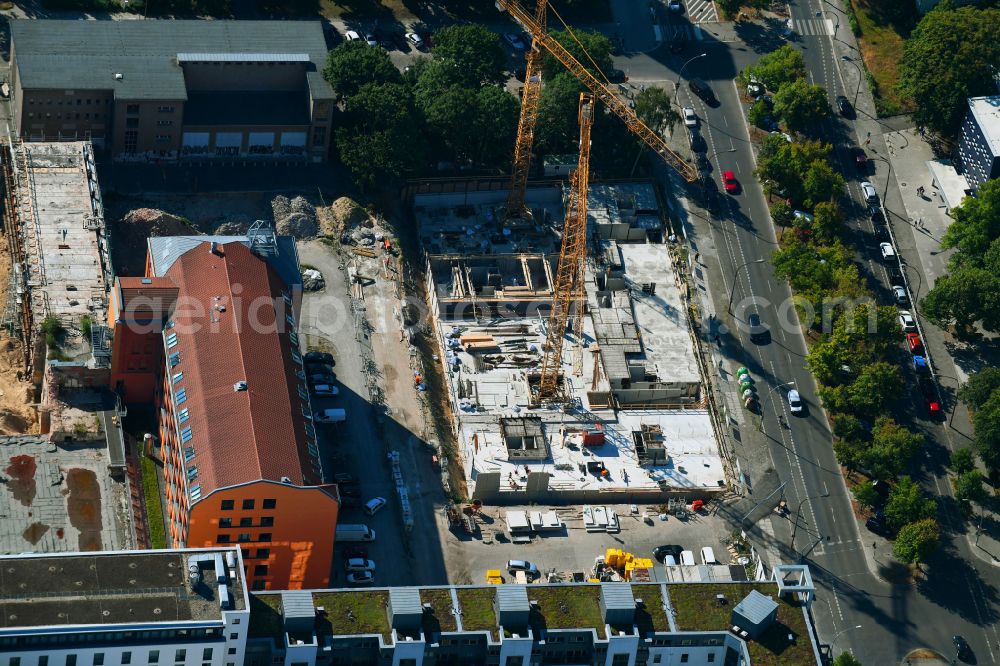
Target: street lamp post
[681,72]
[885,190]
[860,78]
[920,283]
[833,643]
[954,408]
[736,279]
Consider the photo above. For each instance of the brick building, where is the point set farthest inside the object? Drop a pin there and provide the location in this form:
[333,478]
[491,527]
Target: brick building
[175,90]
[209,337]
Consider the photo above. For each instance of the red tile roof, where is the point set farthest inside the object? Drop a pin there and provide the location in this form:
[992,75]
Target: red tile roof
[225,321]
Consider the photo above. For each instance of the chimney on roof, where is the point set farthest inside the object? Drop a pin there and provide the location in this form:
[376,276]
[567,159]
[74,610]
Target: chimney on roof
[214,249]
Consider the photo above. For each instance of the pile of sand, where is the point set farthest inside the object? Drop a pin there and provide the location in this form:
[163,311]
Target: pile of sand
[294,218]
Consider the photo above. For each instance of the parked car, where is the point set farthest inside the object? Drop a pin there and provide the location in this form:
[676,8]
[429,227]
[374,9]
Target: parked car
[860,157]
[356,550]
[325,390]
[675,6]
[878,525]
[701,89]
[415,39]
[319,357]
[844,106]
[698,144]
[906,321]
[361,578]
[894,275]
[920,365]
[876,214]
[350,502]
[928,391]
[513,566]
[669,549]
[899,295]
[729,182]
[370,39]
[795,405]
[359,564]
[962,649]
[881,232]
[690,117]
[868,190]
[349,491]
[708,556]
[755,89]
[888,251]
[617,76]
[914,342]
[317,368]
[351,36]
[515,40]
[373,505]
[322,379]
[344,478]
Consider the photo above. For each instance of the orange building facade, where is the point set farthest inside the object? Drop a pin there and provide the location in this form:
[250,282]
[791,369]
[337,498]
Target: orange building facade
[209,336]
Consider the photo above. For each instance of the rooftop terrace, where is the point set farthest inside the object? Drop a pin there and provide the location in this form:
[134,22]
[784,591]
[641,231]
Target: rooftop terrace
[108,588]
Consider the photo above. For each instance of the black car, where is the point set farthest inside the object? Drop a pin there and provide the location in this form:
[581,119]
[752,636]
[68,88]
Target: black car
[344,478]
[895,276]
[844,107]
[349,491]
[701,89]
[881,232]
[878,526]
[319,368]
[319,357]
[876,214]
[962,649]
[698,144]
[661,552]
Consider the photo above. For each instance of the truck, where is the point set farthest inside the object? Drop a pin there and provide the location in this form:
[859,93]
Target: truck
[335,415]
[355,533]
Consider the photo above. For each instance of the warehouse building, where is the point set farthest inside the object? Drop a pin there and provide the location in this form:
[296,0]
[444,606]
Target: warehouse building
[193,91]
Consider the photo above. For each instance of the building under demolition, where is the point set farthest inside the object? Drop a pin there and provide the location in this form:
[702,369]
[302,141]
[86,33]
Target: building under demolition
[632,422]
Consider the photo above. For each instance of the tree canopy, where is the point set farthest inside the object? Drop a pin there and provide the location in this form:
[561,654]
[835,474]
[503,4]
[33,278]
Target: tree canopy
[980,388]
[908,504]
[950,56]
[353,64]
[801,105]
[653,106]
[596,44]
[777,68]
[477,52]
[916,541]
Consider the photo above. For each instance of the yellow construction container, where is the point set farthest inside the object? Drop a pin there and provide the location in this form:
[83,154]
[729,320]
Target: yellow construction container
[493,577]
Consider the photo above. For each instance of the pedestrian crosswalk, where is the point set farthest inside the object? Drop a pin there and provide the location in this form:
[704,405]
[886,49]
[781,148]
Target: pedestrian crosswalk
[701,11]
[812,26]
[686,32]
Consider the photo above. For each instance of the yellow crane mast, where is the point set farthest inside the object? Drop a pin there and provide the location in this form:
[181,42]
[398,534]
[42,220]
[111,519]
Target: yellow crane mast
[530,96]
[539,37]
[572,252]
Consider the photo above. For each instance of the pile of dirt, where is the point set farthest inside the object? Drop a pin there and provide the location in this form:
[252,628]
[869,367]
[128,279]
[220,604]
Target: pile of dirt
[232,229]
[294,218]
[342,214]
[135,227]
[17,416]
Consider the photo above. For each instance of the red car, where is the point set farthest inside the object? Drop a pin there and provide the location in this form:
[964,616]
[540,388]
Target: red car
[729,181]
[914,342]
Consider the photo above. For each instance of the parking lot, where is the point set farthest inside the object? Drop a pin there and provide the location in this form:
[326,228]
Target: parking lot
[574,549]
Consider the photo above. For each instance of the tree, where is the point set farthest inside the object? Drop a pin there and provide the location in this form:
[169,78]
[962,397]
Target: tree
[496,125]
[821,183]
[976,222]
[966,295]
[379,139]
[979,389]
[849,452]
[777,68]
[876,386]
[892,449]
[828,221]
[353,64]
[949,57]
[786,163]
[986,423]
[759,114]
[846,659]
[916,541]
[908,504]
[558,130]
[801,105]
[865,495]
[596,44]
[653,107]
[963,460]
[782,213]
[476,50]
[969,487]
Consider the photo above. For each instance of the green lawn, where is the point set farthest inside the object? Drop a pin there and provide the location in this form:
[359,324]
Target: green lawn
[566,607]
[151,498]
[477,609]
[651,617]
[353,613]
[697,610]
[883,30]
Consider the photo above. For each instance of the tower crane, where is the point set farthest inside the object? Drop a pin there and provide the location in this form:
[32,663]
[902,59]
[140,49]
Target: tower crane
[570,272]
[536,27]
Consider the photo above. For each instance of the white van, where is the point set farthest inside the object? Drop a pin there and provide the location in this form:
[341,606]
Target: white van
[687,558]
[352,533]
[708,556]
[669,561]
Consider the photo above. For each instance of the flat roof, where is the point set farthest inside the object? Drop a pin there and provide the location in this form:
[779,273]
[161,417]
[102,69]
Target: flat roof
[952,185]
[987,113]
[87,55]
[60,497]
[66,241]
[125,587]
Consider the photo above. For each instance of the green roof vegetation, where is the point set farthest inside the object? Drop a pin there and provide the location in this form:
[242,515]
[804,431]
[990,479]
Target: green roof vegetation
[566,607]
[697,610]
[651,616]
[477,609]
[441,619]
[265,616]
[353,613]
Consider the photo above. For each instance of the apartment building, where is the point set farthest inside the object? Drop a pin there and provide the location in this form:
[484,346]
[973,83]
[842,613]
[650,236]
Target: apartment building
[165,90]
[979,142]
[606,624]
[210,337]
[182,607]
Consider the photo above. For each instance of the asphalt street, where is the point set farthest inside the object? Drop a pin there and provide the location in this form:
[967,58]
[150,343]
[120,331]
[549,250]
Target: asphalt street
[959,596]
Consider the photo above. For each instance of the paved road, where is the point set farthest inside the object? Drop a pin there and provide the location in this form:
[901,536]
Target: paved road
[960,597]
